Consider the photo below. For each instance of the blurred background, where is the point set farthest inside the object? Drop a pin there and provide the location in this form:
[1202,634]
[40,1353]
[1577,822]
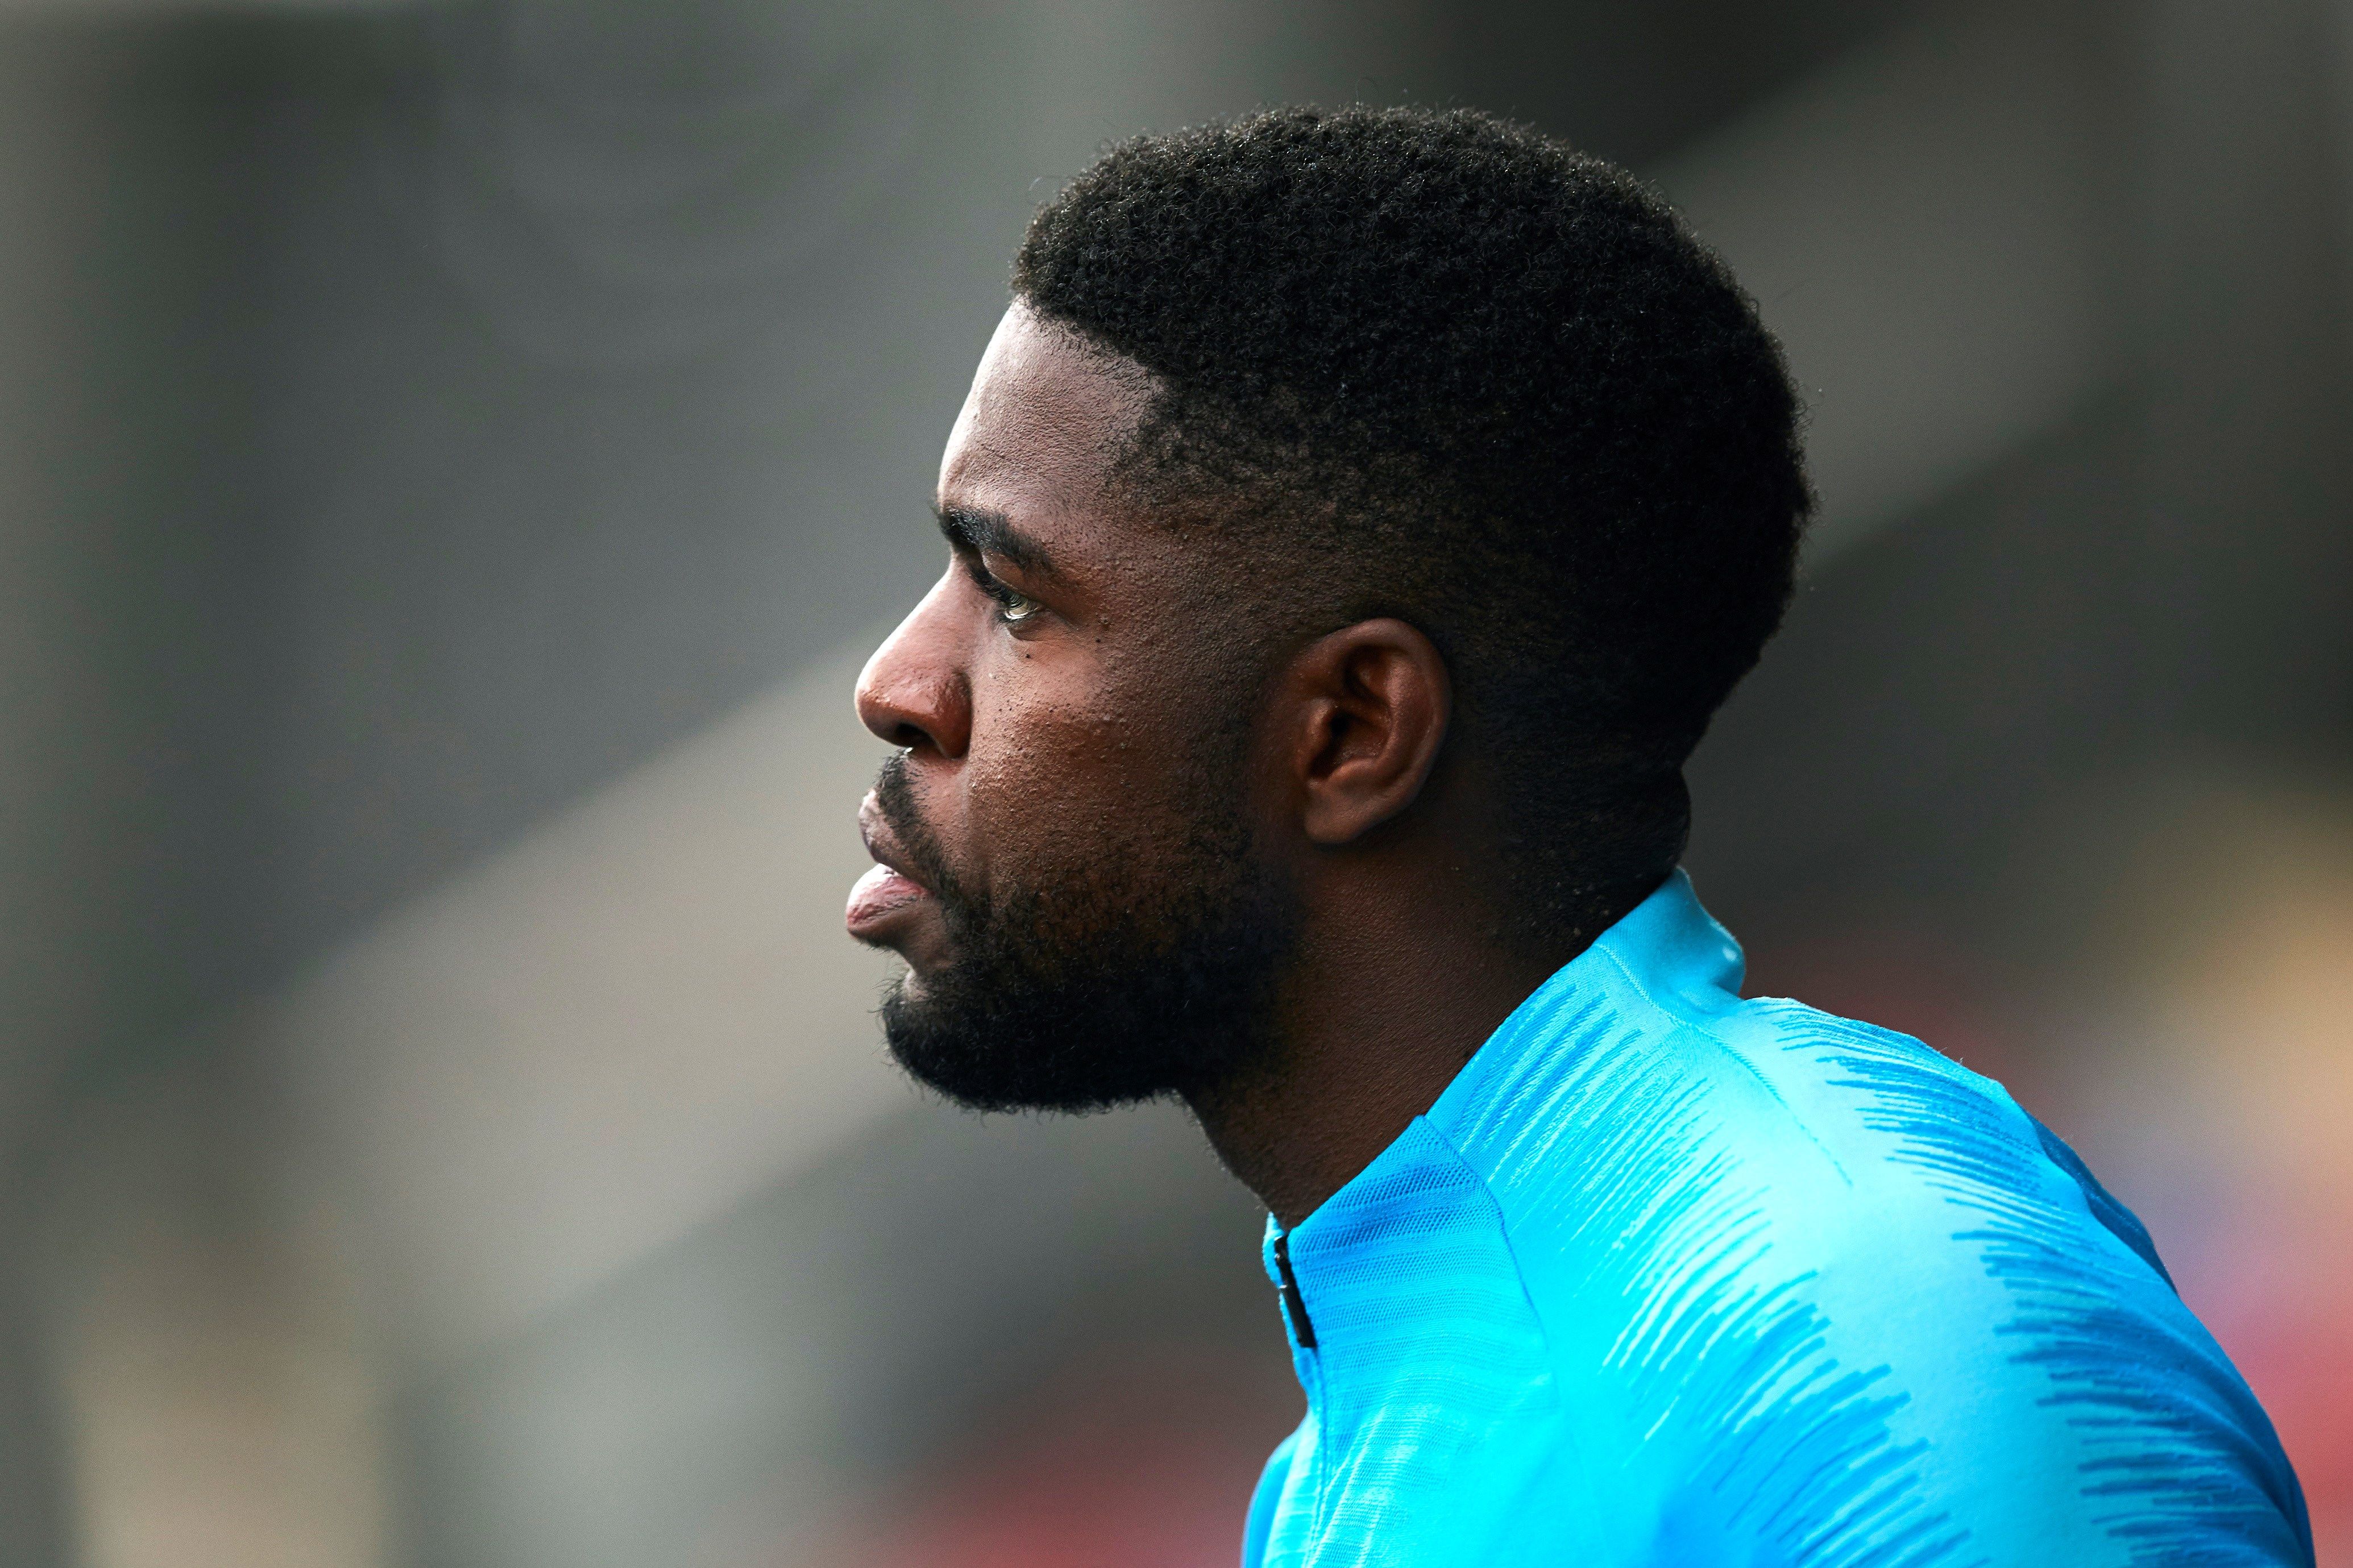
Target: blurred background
[453,459]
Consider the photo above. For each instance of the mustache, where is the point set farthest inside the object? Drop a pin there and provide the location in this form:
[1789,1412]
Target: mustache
[894,797]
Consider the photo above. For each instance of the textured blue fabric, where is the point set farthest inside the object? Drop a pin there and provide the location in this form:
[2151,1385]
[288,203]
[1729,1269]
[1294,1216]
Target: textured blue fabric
[1667,1278]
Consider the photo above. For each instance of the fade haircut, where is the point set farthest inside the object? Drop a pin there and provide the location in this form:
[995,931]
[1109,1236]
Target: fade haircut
[1450,370]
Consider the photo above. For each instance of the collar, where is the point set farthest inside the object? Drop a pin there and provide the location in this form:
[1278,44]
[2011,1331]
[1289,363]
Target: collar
[1407,1271]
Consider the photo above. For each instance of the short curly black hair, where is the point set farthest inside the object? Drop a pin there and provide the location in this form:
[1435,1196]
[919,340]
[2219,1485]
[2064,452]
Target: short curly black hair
[1466,375]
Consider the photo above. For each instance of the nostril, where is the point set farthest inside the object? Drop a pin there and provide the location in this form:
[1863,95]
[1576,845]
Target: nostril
[911,707]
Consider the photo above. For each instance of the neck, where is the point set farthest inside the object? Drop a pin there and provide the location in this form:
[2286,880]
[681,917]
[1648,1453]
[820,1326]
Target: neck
[1390,995]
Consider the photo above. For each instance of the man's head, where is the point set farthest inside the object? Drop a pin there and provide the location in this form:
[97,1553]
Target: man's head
[1342,487]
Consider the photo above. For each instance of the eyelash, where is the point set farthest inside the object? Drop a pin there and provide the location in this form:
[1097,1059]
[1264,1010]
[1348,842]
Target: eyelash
[1008,601]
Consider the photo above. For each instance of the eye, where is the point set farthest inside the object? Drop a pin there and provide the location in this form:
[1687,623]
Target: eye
[1013,606]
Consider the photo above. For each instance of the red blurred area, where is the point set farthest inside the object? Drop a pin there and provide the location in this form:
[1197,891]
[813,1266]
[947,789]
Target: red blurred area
[1146,1463]
[2274,1283]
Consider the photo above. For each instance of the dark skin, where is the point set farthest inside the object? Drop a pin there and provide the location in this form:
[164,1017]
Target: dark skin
[1045,682]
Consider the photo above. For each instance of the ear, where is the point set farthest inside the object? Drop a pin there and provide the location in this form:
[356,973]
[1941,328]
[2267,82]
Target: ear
[1369,708]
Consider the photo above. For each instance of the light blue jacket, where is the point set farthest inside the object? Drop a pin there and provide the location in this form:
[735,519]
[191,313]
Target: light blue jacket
[1670,1280]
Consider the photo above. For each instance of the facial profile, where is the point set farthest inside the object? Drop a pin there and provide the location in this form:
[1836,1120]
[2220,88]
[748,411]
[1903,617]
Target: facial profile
[1229,580]
[1065,858]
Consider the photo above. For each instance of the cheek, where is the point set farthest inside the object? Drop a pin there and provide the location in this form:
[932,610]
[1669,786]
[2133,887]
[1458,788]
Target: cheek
[1048,785]
[1095,765]
[1103,793]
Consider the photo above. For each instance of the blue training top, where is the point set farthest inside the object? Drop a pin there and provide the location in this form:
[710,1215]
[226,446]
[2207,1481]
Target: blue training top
[1670,1280]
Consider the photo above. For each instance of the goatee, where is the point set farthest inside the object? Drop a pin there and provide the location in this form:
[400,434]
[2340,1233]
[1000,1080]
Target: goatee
[1133,982]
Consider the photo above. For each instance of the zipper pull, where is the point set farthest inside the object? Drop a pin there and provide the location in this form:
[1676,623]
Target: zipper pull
[1294,1304]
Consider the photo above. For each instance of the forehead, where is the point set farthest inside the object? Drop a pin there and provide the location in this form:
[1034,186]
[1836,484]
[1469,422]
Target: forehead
[1047,415]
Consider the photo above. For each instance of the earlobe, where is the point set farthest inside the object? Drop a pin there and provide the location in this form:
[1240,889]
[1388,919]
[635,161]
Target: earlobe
[1375,705]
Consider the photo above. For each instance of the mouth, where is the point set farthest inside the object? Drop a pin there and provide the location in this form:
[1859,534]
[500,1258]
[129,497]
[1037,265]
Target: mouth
[886,898]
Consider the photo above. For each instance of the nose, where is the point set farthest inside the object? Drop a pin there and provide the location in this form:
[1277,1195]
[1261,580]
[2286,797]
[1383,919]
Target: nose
[914,691]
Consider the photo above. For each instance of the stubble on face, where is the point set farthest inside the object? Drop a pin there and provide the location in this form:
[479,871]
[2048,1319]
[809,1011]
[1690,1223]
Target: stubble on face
[1097,923]
[1125,969]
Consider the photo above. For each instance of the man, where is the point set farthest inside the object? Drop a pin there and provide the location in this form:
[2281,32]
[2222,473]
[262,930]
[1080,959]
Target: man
[1355,521]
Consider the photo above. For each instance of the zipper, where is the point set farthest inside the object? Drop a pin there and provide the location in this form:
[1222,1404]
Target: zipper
[1311,1382]
[1295,1304]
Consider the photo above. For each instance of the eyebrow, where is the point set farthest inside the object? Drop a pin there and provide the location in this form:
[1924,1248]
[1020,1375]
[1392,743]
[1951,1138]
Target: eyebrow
[991,533]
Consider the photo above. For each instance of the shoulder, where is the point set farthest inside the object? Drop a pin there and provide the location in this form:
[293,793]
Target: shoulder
[1813,1264]
[1875,1148]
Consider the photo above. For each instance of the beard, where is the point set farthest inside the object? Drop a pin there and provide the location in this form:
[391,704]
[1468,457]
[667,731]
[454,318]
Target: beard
[1134,976]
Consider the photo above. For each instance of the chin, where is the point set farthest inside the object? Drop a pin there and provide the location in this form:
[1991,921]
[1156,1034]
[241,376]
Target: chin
[986,1057]
[903,996]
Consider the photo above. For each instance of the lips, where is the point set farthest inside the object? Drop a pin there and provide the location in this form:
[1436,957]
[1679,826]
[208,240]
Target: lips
[878,895]
[886,891]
